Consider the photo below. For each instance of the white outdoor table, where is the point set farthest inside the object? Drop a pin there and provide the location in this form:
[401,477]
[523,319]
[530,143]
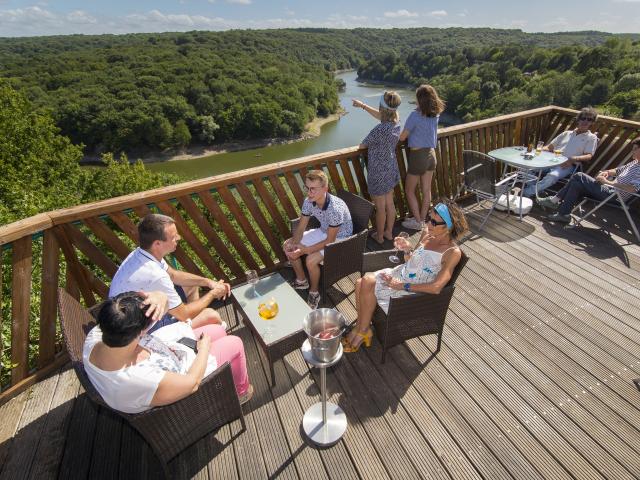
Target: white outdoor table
[527,169]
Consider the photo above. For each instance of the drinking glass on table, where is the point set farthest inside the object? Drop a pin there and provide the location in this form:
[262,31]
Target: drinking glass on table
[395,258]
[268,311]
[539,147]
[252,279]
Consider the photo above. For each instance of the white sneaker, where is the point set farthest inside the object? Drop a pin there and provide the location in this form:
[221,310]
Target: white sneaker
[313,300]
[411,224]
[298,285]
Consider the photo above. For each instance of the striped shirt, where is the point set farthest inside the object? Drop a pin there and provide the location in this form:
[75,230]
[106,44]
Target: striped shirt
[628,174]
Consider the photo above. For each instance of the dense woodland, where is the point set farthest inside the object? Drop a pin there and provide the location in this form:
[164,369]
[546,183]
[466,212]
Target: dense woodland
[149,92]
[485,82]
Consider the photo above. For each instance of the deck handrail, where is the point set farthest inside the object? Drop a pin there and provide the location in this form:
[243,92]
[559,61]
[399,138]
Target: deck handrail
[225,230]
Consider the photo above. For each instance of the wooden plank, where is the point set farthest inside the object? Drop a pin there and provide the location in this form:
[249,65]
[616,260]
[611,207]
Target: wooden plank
[2,341]
[50,448]
[362,182]
[24,228]
[105,458]
[229,231]
[271,204]
[126,225]
[10,414]
[79,273]
[294,187]
[250,202]
[192,240]
[93,253]
[248,230]
[210,233]
[20,307]
[76,458]
[30,429]
[282,195]
[107,235]
[48,299]
[348,177]
[334,175]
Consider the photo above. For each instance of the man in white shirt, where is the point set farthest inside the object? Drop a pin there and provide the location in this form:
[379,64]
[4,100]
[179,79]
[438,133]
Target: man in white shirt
[577,145]
[146,270]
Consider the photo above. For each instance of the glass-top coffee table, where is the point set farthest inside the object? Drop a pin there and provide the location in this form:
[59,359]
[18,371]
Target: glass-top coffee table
[281,335]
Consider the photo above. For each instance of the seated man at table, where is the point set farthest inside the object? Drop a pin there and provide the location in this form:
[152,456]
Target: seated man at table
[146,270]
[335,224]
[625,178]
[577,145]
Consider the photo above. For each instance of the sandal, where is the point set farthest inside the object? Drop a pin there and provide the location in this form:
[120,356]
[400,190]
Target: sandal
[366,340]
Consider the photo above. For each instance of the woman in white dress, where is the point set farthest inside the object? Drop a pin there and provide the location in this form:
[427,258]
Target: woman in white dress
[428,269]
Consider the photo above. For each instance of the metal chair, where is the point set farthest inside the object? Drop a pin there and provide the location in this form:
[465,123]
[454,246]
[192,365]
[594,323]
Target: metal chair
[616,200]
[169,429]
[410,316]
[480,177]
[344,257]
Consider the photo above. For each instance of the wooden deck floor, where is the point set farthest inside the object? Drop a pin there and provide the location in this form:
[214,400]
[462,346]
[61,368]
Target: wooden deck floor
[533,381]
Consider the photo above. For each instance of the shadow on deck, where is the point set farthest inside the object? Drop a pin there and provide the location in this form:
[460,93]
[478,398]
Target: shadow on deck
[533,381]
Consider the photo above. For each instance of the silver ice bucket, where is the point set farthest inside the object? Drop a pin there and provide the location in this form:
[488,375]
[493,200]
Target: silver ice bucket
[323,327]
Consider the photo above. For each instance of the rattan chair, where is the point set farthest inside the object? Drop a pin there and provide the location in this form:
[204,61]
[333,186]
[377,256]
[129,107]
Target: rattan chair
[410,316]
[168,429]
[344,257]
[480,177]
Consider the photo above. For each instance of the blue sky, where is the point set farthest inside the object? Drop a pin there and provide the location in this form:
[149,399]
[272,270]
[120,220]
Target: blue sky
[51,17]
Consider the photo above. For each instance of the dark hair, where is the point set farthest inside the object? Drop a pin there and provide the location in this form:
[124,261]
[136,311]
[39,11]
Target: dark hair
[151,228]
[588,112]
[429,103]
[122,318]
[459,221]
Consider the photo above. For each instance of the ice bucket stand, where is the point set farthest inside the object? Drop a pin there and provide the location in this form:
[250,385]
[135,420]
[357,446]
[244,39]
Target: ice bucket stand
[324,422]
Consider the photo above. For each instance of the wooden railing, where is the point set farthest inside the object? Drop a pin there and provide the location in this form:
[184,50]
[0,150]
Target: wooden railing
[229,223]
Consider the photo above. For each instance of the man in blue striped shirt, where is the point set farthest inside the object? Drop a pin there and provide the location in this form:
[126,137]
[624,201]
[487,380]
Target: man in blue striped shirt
[625,178]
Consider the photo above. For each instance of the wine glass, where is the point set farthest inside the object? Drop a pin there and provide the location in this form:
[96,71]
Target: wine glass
[252,279]
[539,147]
[395,258]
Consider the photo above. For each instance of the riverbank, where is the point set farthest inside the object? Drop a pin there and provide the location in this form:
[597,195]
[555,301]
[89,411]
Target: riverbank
[312,130]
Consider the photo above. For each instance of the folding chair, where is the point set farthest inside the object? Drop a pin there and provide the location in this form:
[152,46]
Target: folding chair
[621,203]
[480,177]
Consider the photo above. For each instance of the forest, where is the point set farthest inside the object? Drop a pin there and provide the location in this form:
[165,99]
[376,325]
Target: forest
[141,93]
[494,80]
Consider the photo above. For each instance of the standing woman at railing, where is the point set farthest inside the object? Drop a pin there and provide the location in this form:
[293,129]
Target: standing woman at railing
[382,168]
[421,128]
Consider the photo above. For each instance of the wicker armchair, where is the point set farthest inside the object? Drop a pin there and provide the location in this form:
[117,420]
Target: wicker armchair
[168,429]
[344,257]
[410,316]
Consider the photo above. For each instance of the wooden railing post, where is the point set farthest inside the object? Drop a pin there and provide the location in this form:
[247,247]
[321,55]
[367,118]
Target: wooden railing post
[48,299]
[20,307]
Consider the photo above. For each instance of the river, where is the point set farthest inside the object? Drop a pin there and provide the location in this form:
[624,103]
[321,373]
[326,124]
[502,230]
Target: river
[349,130]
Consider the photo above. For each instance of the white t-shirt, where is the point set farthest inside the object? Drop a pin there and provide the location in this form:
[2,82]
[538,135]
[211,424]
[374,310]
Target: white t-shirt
[131,389]
[141,271]
[573,144]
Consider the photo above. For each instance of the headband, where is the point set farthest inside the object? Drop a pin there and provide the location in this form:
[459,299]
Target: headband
[443,211]
[384,104]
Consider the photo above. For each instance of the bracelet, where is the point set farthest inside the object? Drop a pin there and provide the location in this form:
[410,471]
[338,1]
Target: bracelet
[188,322]
[407,287]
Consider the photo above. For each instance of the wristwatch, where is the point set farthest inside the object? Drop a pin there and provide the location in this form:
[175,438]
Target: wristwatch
[407,287]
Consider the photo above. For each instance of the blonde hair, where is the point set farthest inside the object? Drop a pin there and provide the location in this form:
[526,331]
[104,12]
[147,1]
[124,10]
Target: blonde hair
[318,175]
[429,103]
[390,114]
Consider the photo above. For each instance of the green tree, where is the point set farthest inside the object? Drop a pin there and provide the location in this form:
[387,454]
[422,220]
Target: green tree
[181,134]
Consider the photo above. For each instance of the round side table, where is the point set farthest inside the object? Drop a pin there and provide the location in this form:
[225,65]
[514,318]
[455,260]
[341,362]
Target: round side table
[324,422]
